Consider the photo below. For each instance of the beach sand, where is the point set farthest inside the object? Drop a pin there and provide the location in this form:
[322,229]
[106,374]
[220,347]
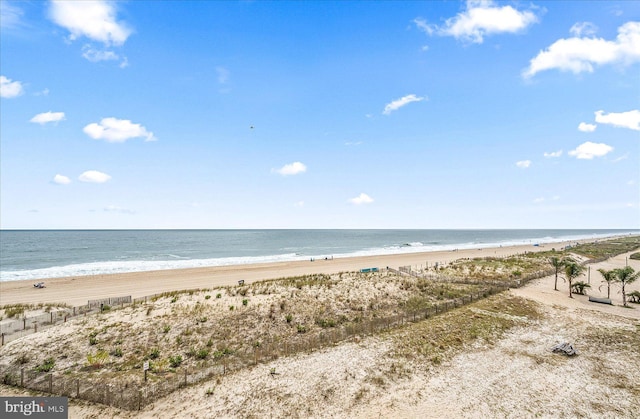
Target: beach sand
[77,291]
[515,377]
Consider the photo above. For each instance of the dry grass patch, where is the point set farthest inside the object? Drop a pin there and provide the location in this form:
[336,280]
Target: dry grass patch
[439,338]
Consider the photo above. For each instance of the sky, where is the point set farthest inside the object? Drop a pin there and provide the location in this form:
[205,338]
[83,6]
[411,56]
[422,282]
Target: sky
[345,114]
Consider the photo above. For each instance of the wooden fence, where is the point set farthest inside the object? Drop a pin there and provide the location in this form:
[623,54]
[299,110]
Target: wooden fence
[133,395]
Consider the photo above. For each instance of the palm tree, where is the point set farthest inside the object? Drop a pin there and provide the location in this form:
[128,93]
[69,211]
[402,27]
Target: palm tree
[626,276]
[557,263]
[609,277]
[572,270]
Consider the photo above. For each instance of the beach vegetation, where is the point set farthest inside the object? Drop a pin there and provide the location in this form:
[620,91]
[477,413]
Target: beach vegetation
[635,256]
[626,276]
[572,270]
[604,249]
[245,302]
[231,308]
[154,353]
[202,353]
[209,391]
[218,295]
[117,352]
[175,361]
[23,358]
[166,328]
[634,297]
[46,366]
[580,287]
[97,359]
[557,264]
[288,317]
[301,328]
[206,297]
[608,276]
[14,311]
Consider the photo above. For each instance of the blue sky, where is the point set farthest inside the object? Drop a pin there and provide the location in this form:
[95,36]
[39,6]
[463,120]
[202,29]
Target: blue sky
[211,114]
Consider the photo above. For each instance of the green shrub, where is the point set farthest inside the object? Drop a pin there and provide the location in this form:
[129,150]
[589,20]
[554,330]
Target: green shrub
[117,352]
[166,328]
[288,318]
[202,354]
[218,295]
[302,328]
[98,359]
[154,354]
[245,302]
[206,297]
[635,256]
[46,366]
[175,361]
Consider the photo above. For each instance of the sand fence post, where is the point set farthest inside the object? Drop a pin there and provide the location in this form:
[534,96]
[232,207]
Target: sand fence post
[77,388]
[21,377]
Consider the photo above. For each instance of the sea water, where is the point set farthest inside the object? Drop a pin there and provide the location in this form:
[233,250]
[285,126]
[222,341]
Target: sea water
[39,254]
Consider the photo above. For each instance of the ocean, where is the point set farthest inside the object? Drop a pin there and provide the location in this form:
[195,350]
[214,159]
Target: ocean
[39,254]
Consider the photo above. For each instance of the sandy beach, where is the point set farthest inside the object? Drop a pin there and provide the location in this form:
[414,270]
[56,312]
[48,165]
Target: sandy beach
[503,375]
[512,376]
[78,290]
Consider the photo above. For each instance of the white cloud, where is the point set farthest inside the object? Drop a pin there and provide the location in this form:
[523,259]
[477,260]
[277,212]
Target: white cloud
[553,154]
[398,103]
[291,169]
[481,18]
[299,204]
[9,89]
[578,54]
[538,200]
[95,55]
[584,127]
[115,130]
[93,19]
[10,15]
[223,75]
[619,159]
[583,28]
[590,150]
[43,118]
[61,180]
[93,176]
[630,119]
[363,198]
[117,209]
[523,164]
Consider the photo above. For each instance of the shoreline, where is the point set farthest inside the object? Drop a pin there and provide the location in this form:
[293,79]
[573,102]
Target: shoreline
[78,290]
